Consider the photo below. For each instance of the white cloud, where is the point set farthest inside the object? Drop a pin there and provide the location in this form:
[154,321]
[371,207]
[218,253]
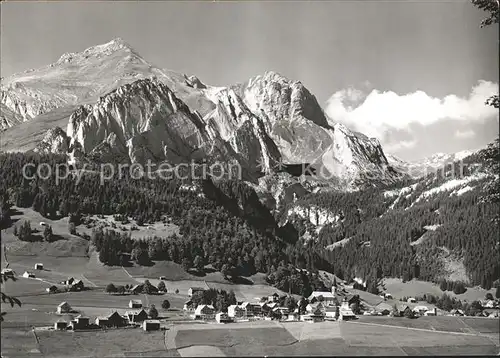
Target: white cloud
[396,146]
[378,112]
[464,134]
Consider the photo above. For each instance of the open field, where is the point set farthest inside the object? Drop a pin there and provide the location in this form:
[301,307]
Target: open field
[100,343]
[159,229]
[414,288]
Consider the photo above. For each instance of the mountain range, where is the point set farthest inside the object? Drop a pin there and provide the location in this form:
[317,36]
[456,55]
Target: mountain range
[109,102]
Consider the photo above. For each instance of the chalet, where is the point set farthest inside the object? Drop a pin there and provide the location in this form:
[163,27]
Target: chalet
[346,314]
[51,289]
[60,325]
[222,317]
[77,285]
[411,300]
[432,312]
[313,307]
[420,309]
[328,297]
[39,266]
[283,310]
[102,321]
[294,316]
[402,309]
[204,312]
[64,307]
[137,316]
[235,311]
[383,308]
[193,290]
[387,296]
[317,314]
[135,304]
[188,305]
[457,312]
[80,322]
[116,320]
[273,298]
[271,305]
[28,274]
[151,325]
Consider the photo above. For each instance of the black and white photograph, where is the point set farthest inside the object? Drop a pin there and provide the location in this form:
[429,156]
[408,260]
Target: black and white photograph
[249,178]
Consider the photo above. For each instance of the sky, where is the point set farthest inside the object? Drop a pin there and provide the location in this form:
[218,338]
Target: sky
[414,74]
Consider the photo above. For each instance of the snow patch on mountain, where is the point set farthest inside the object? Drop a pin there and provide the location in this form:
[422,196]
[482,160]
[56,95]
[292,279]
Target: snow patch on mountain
[451,185]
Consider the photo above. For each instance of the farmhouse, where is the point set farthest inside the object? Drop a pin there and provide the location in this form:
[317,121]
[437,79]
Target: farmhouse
[402,309]
[80,322]
[51,289]
[313,307]
[69,281]
[251,309]
[346,314]
[457,312]
[135,304]
[420,309]
[411,300]
[193,290]
[102,321]
[137,316]
[116,320]
[222,317]
[316,315]
[77,285]
[39,266]
[204,312]
[264,307]
[151,325]
[383,308]
[60,325]
[432,312]
[28,274]
[272,305]
[64,307]
[328,297]
[235,311]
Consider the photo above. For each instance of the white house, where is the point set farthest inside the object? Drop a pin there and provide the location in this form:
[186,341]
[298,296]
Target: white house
[28,274]
[135,304]
[64,307]
[235,311]
[151,325]
[204,312]
[328,297]
[346,314]
[38,266]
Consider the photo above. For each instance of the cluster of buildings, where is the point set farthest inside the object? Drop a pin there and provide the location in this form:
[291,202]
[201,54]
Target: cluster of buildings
[136,316]
[320,306]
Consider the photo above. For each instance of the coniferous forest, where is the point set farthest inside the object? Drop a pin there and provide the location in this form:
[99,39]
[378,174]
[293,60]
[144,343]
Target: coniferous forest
[225,225]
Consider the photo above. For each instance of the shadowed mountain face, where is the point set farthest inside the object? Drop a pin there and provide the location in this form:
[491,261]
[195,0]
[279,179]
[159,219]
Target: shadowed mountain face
[123,108]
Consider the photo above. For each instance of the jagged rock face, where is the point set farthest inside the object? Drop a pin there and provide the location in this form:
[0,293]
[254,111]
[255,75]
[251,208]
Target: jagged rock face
[76,78]
[145,121]
[55,141]
[8,118]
